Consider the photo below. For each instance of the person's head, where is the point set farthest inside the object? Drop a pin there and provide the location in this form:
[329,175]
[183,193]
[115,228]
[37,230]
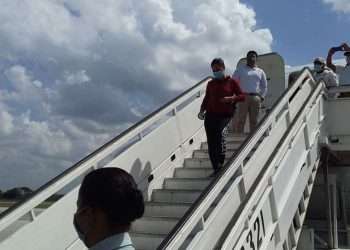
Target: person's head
[319,64]
[218,68]
[252,57]
[347,57]
[108,202]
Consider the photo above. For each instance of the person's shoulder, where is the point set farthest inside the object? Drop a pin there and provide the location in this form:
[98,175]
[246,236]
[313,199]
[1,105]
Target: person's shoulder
[328,71]
[227,79]
[129,247]
[212,81]
[257,68]
[239,69]
[232,80]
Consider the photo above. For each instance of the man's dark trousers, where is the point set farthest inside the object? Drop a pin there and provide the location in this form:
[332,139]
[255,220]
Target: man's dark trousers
[214,125]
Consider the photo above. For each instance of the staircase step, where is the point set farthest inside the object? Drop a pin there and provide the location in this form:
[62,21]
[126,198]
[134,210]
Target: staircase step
[229,145]
[169,204]
[154,225]
[187,183]
[235,138]
[173,195]
[203,153]
[175,210]
[197,163]
[188,172]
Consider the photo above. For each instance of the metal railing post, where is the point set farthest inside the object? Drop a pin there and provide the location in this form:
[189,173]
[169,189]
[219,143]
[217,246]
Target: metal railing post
[333,188]
[325,158]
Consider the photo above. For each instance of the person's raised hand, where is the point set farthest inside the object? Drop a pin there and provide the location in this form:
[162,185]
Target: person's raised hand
[335,49]
[345,47]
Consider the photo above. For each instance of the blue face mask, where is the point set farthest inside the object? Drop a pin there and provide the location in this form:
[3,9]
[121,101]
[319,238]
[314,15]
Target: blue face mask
[219,74]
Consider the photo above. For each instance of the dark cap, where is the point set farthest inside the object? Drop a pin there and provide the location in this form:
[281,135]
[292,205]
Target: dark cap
[320,60]
[252,52]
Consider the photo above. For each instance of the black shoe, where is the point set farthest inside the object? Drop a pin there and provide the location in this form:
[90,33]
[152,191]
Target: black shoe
[215,172]
[220,165]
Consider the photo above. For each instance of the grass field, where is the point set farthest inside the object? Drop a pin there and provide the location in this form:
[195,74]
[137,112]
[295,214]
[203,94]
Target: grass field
[9,203]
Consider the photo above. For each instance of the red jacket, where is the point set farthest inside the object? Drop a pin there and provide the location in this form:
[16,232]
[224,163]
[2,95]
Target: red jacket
[218,89]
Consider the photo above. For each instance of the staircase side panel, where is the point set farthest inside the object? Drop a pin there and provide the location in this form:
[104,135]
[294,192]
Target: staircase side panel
[53,229]
[288,170]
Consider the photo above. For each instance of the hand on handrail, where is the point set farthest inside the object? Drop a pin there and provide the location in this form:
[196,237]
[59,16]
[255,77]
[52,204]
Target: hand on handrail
[201,115]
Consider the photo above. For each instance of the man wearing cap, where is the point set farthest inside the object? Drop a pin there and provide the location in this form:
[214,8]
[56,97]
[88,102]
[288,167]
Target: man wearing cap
[322,72]
[343,72]
[252,81]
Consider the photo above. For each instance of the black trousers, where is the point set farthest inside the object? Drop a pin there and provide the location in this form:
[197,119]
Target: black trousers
[214,125]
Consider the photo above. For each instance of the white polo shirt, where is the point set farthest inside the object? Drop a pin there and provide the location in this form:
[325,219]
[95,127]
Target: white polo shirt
[328,76]
[251,80]
[344,74]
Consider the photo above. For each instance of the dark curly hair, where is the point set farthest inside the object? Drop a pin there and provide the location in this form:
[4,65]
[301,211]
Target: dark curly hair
[218,61]
[115,192]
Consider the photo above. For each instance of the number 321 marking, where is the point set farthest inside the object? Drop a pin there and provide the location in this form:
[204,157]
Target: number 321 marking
[252,244]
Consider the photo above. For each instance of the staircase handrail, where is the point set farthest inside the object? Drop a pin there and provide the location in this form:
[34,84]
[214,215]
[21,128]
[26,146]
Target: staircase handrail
[192,217]
[12,214]
[287,138]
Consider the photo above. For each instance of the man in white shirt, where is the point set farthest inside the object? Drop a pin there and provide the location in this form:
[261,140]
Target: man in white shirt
[322,72]
[343,72]
[252,81]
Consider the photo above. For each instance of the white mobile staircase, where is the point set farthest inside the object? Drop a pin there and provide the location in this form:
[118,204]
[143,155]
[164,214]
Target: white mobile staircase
[258,201]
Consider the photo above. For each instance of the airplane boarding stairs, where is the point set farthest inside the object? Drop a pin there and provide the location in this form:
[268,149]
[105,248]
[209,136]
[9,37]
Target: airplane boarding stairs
[258,201]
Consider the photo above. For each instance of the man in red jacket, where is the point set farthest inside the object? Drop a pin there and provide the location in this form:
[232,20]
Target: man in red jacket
[217,110]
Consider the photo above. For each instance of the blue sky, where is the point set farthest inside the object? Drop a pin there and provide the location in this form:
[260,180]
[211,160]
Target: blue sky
[302,29]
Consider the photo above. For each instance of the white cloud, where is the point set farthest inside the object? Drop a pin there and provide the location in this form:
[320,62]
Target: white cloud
[6,123]
[37,83]
[342,6]
[76,78]
[50,142]
[75,73]
[20,80]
